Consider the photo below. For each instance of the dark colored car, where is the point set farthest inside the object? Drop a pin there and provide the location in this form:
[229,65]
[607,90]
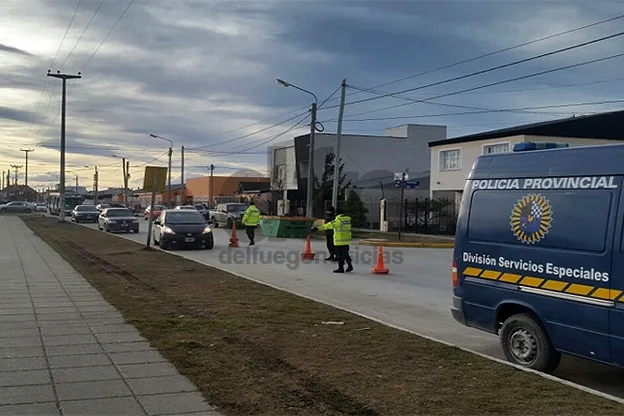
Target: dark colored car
[182,228]
[118,219]
[85,213]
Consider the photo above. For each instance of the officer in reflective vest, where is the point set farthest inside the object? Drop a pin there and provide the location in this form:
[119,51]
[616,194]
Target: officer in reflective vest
[330,216]
[250,221]
[342,239]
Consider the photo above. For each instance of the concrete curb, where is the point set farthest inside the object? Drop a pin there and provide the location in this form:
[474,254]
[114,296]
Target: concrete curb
[385,243]
[398,327]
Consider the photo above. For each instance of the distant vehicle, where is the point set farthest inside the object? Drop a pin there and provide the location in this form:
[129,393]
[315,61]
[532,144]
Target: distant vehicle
[228,214]
[202,210]
[102,207]
[85,213]
[155,212]
[182,228]
[17,206]
[118,219]
[192,207]
[71,200]
[41,207]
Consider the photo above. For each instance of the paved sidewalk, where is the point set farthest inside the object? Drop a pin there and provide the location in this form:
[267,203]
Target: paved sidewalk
[65,351]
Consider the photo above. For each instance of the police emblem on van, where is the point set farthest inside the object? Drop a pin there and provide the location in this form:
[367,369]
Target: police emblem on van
[531,218]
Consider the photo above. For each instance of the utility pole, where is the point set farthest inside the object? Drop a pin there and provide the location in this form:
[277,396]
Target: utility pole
[95,186]
[337,151]
[8,178]
[402,197]
[310,190]
[211,193]
[127,182]
[182,166]
[2,181]
[64,78]
[169,180]
[76,184]
[17,168]
[26,174]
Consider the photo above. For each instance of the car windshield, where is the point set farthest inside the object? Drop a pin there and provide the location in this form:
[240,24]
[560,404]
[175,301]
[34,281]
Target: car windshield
[184,217]
[86,208]
[236,208]
[120,212]
[200,207]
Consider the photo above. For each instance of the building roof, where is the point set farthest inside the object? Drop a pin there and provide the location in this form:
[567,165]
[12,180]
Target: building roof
[22,188]
[253,187]
[606,126]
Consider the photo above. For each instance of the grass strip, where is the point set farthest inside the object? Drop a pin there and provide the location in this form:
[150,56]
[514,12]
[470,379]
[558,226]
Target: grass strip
[252,349]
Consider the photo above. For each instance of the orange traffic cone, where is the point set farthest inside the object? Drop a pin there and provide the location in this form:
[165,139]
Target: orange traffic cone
[308,254]
[380,268]
[233,238]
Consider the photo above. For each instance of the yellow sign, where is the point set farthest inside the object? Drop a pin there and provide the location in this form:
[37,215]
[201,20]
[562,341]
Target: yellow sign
[157,172]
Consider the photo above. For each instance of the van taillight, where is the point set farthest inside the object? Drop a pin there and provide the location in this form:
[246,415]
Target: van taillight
[454,269]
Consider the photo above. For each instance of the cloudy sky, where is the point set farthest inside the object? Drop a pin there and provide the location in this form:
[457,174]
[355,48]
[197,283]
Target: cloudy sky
[202,73]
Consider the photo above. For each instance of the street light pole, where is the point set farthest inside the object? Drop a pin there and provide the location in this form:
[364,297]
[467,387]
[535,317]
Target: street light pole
[337,151]
[310,186]
[169,168]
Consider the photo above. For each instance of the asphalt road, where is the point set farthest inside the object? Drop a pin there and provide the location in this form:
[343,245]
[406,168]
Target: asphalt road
[415,296]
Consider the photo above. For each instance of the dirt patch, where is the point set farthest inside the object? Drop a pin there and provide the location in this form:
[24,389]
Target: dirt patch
[254,350]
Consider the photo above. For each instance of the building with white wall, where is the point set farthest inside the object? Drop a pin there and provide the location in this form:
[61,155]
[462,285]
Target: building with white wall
[452,159]
[368,160]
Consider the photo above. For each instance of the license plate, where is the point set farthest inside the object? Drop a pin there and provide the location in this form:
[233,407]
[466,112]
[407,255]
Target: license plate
[189,240]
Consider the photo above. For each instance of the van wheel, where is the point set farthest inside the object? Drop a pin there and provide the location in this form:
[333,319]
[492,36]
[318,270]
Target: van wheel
[525,343]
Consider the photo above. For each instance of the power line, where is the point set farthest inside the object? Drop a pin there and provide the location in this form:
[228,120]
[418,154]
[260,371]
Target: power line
[82,34]
[107,35]
[45,84]
[248,134]
[468,107]
[494,111]
[494,83]
[494,68]
[496,52]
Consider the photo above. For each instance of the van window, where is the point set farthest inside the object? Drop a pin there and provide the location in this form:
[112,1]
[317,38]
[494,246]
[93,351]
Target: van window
[573,220]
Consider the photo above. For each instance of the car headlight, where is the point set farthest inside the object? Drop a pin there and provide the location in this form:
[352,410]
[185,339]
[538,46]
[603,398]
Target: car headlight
[111,221]
[167,230]
[207,230]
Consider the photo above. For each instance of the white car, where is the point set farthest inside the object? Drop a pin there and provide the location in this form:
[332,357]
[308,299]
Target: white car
[41,208]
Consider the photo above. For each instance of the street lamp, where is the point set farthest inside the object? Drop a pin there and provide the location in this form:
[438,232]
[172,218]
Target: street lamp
[169,169]
[310,188]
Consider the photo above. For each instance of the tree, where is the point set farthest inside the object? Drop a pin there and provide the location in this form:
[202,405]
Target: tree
[354,207]
[324,186]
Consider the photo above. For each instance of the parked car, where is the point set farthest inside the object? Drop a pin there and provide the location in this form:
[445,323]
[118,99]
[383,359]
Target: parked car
[41,207]
[154,212]
[182,228]
[85,213]
[118,219]
[17,206]
[228,214]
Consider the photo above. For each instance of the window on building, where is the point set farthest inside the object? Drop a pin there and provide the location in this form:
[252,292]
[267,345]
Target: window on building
[495,148]
[449,159]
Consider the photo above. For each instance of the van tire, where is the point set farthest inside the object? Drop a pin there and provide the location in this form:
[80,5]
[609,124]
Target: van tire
[525,342]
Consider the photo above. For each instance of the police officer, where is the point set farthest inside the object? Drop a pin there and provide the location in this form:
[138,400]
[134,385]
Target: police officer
[330,216]
[250,221]
[341,226]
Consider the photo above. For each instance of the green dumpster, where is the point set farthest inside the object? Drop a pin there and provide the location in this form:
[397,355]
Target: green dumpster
[286,227]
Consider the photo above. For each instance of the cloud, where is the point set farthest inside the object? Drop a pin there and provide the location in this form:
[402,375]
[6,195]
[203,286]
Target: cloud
[10,49]
[17,115]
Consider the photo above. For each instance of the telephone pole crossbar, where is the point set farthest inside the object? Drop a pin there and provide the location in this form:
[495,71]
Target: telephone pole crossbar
[17,168]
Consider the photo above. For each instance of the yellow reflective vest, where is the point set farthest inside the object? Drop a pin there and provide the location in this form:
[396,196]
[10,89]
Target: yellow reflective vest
[342,230]
[251,217]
